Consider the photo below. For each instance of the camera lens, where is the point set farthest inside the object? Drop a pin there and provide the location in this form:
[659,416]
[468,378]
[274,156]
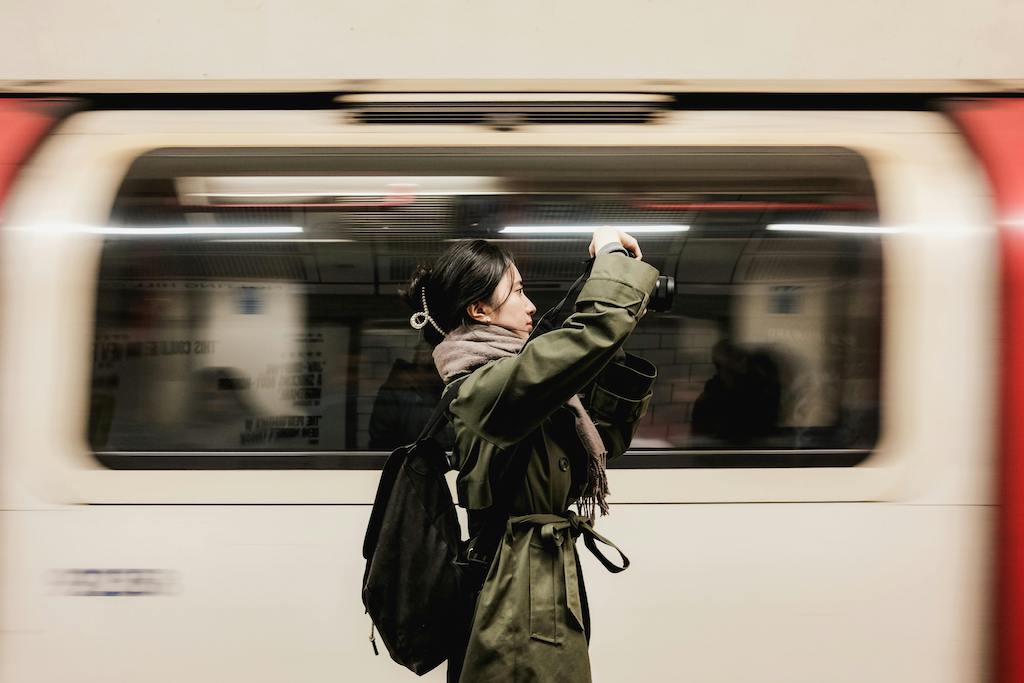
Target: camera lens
[663,294]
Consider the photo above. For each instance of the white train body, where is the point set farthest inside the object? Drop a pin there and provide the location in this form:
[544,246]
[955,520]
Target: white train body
[876,571]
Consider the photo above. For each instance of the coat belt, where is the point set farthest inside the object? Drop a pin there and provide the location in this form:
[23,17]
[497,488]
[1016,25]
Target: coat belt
[554,557]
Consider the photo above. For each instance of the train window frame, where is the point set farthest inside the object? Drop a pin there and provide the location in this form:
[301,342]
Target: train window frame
[635,458]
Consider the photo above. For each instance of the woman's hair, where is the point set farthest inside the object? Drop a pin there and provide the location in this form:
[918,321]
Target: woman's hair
[467,272]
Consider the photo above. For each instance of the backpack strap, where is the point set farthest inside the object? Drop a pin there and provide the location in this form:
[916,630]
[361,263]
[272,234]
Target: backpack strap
[556,315]
[439,417]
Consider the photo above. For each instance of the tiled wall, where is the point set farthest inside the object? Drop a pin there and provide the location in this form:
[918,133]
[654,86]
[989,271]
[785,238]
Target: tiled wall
[681,349]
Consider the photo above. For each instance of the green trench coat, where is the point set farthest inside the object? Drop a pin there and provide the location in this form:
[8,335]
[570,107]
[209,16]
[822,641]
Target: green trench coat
[531,620]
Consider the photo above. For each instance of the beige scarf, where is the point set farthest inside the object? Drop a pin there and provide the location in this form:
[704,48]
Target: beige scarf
[468,347]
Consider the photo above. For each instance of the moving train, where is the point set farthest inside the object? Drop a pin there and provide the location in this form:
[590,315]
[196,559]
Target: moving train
[204,362]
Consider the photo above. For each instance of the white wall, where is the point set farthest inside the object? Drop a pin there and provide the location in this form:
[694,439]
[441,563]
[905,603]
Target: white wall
[529,39]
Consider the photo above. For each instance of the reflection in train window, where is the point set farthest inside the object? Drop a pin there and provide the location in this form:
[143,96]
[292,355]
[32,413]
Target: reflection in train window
[247,298]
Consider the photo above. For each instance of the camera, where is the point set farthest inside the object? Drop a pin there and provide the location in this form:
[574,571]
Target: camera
[660,301]
[662,295]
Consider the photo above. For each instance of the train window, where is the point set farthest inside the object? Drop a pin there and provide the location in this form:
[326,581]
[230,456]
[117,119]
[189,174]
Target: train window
[247,313]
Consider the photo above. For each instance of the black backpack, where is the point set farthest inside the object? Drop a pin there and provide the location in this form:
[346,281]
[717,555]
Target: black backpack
[418,571]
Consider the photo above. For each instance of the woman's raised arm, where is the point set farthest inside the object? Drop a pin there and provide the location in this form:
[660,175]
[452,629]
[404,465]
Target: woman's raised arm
[507,399]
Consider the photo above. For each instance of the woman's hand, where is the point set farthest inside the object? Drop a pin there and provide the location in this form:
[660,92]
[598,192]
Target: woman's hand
[606,236]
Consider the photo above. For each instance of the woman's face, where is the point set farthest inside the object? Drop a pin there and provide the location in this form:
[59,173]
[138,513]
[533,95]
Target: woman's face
[509,306]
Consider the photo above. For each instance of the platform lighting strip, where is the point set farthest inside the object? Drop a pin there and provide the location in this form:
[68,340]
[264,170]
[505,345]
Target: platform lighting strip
[277,240]
[503,97]
[197,230]
[574,229]
[835,229]
[304,187]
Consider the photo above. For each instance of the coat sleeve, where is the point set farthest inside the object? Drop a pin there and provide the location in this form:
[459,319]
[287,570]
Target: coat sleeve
[508,399]
[619,398]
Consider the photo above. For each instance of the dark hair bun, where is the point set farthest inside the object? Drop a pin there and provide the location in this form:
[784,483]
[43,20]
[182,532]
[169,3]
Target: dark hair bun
[411,293]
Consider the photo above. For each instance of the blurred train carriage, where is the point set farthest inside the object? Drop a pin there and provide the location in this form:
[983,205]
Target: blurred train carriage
[203,361]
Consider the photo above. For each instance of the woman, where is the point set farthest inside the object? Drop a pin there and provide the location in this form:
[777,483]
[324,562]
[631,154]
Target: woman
[531,620]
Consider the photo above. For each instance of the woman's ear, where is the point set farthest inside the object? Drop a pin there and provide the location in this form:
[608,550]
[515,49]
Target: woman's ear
[479,311]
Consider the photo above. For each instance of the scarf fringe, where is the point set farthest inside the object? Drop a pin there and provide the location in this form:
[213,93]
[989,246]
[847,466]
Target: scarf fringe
[594,498]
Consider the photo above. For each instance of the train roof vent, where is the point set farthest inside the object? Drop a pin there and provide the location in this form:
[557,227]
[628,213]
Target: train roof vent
[505,110]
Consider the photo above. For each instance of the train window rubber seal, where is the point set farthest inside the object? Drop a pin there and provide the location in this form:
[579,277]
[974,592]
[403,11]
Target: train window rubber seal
[374,460]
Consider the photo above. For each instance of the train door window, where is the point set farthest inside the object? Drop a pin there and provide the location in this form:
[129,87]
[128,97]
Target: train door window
[247,311]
